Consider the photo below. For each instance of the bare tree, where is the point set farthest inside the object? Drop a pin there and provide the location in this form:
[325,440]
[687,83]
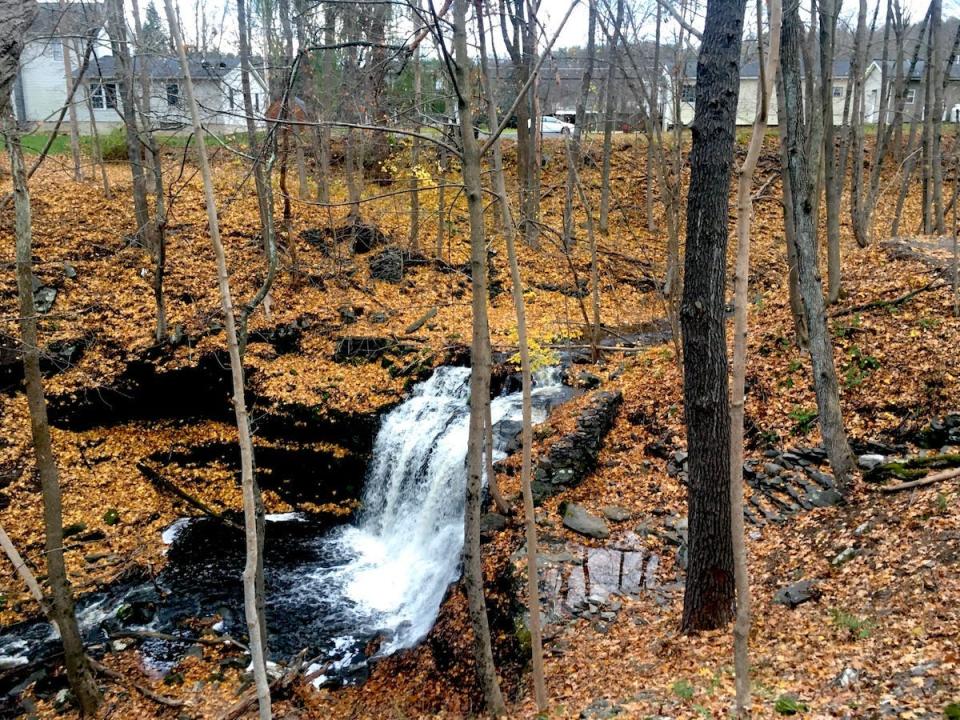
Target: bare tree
[741,628]
[609,121]
[802,169]
[250,501]
[480,369]
[74,125]
[580,122]
[13,19]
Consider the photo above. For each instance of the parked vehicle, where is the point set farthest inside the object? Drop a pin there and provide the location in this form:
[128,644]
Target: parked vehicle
[554,127]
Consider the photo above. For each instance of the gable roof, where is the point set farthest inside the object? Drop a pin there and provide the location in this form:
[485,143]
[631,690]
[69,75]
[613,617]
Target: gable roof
[167,68]
[75,19]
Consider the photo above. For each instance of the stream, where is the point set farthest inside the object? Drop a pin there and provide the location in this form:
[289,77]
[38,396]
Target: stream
[376,582]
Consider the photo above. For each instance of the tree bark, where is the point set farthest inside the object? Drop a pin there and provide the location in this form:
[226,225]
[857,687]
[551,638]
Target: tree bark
[801,168]
[247,479]
[708,600]
[61,602]
[833,185]
[480,373]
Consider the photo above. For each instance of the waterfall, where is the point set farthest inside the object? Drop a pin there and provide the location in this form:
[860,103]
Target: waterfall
[399,558]
[332,591]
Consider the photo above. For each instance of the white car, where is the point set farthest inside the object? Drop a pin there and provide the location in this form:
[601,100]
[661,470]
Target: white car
[554,127]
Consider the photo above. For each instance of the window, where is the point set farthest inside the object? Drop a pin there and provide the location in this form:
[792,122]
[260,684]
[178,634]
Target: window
[911,96]
[173,94]
[103,95]
[838,91]
[688,93]
[56,50]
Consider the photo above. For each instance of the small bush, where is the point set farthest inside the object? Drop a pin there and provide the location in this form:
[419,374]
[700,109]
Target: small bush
[859,628]
[113,146]
[683,689]
[789,705]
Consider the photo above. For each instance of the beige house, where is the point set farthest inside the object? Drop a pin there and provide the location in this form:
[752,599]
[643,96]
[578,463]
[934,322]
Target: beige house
[749,94]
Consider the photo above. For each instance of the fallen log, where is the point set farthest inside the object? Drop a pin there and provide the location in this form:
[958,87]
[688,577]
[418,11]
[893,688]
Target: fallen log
[929,480]
[932,285]
[164,484]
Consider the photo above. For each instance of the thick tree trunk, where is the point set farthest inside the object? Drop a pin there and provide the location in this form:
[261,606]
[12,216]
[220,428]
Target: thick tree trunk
[801,168]
[248,484]
[709,597]
[480,373]
[61,601]
[741,628]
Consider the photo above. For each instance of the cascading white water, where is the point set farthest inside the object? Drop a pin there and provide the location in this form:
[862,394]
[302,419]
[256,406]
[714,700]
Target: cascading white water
[398,560]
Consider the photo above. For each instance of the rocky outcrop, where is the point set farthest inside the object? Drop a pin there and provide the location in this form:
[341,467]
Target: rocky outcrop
[574,456]
[390,264]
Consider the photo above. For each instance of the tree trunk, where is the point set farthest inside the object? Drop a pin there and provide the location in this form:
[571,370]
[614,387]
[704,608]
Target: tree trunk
[117,29]
[708,600]
[608,125]
[653,123]
[61,604]
[936,117]
[530,524]
[480,373]
[414,233]
[95,145]
[800,168]
[250,501]
[499,180]
[569,227]
[741,628]
[833,185]
[74,125]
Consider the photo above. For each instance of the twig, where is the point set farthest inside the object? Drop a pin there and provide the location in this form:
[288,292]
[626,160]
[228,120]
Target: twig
[933,285]
[929,480]
[154,635]
[142,689]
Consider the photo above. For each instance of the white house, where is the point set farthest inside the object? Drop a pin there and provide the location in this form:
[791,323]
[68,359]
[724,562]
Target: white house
[216,83]
[41,87]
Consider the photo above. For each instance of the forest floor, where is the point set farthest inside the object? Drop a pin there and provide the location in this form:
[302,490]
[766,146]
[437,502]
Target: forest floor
[881,640]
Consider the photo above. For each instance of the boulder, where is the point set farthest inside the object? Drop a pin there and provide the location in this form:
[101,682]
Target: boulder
[797,594]
[43,298]
[615,513]
[491,524]
[576,518]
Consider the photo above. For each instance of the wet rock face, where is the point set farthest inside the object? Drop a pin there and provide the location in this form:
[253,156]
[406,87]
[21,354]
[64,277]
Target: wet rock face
[574,456]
